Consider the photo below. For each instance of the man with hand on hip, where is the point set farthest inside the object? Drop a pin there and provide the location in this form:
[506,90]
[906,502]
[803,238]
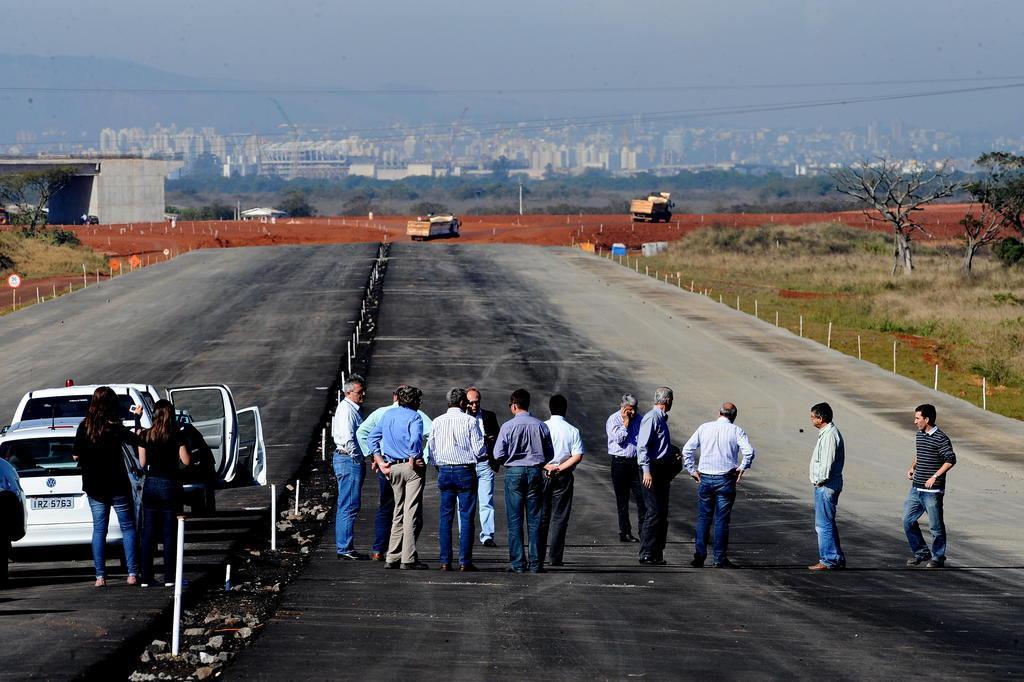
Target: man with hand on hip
[457,446]
[721,443]
[396,444]
[349,468]
[622,428]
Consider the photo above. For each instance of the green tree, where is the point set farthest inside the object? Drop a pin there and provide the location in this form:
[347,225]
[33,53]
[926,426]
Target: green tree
[296,204]
[1001,187]
[31,191]
[500,167]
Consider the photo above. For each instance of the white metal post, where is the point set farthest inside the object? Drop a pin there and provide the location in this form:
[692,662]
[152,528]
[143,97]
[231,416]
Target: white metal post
[858,347]
[776,318]
[893,357]
[273,517]
[828,344]
[936,376]
[801,326]
[984,394]
[323,441]
[298,483]
[227,578]
[179,564]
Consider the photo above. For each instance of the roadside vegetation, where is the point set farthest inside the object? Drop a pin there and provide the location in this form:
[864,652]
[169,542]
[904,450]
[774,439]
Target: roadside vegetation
[44,253]
[971,326]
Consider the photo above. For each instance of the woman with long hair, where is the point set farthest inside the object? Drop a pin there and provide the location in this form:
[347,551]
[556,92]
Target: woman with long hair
[161,449]
[99,449]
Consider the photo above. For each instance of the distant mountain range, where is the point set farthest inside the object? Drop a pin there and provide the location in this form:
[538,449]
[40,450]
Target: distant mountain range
[71,98]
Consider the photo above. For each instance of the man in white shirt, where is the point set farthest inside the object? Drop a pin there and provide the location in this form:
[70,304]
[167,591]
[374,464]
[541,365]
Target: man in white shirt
[558,483]
[457,446]
[720,443]
[349,467]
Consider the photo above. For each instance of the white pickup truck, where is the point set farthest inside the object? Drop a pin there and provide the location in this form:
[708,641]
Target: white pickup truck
[44,426]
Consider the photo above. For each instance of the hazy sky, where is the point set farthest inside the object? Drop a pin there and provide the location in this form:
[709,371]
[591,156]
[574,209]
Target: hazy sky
[554,43]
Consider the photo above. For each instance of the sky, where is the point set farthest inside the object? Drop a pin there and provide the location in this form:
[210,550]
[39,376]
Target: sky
[565,44]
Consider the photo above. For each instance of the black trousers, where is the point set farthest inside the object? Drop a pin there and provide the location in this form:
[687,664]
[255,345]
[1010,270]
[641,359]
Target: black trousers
[555,521]
[5,549]
[654,531]
[626,480]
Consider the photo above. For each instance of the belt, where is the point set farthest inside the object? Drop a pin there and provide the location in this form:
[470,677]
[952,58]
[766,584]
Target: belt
[444,466]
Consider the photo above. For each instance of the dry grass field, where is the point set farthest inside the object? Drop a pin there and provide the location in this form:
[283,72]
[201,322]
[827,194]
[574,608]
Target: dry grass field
[970,327]
[38,258]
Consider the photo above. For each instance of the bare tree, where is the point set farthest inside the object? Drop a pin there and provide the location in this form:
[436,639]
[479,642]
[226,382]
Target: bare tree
[1001,187]
[31,191]
[891,194]
[978,231]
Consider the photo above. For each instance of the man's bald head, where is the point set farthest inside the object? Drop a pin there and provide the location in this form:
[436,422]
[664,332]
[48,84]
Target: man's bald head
[728,410]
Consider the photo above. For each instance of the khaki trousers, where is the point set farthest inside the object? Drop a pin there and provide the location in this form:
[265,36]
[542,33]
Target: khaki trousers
[407,483]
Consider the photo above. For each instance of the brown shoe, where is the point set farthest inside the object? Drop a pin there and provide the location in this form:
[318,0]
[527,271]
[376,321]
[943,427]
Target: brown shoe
[468,568]
[377,556]
[446,567]
[819,567]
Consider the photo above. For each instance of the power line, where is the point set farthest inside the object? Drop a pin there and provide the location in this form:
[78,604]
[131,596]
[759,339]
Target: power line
[581,122]
[490,91]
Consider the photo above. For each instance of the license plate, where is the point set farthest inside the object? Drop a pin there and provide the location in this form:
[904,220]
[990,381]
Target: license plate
[67,502]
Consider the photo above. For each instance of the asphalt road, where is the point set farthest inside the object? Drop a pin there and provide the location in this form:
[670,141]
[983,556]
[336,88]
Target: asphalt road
[557,320]
[271,323]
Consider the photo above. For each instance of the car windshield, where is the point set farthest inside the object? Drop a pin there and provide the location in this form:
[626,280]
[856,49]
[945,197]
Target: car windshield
[40,456]
[59,406]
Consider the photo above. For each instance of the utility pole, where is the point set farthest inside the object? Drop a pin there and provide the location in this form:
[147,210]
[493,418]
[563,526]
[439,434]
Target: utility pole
[520,198]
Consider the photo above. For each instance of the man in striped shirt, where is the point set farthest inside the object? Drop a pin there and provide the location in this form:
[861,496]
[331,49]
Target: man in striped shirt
[456,446]
[927,474]
[721,443]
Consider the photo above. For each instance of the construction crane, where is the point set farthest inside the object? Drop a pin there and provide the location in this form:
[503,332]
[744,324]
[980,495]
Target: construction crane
[293,166]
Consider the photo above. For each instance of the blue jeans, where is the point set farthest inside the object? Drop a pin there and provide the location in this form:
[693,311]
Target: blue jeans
[124,507]
[385,512]
[919,503]
[161,500]
[715,496]
[457,486]
[830,551]
[350,472]
[485,499]
[524,492]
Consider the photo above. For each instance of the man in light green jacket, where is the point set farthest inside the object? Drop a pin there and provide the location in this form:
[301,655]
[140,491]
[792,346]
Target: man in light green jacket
[826,473]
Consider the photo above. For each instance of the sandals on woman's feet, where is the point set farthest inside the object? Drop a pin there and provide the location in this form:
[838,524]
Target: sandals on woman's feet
[101,582]
[132,580]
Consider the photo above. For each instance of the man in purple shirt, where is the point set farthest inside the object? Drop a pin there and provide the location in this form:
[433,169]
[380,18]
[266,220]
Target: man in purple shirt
[622,428]
[523,448]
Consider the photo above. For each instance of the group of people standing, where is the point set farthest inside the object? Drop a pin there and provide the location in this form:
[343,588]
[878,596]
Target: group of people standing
[467,446]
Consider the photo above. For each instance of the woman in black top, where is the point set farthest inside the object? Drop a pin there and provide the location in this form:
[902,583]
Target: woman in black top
[160,451]
[99,449]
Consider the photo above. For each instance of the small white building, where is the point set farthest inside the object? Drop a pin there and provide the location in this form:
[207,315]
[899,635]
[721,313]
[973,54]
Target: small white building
[264,215]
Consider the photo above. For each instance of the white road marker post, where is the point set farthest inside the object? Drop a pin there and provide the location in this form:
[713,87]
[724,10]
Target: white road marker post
[323,441]
[179,564]
[755,309]
[776,318]
[828,344]
[893,357]
[936,387]
[227,578]
[858,347]
[85,277]
[984,394]
[691,286]
[801,326]
[737,303]
[273,517]
[298,483]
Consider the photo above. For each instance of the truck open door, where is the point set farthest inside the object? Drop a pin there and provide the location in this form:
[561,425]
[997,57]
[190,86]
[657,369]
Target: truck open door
[252,451]
[212,410]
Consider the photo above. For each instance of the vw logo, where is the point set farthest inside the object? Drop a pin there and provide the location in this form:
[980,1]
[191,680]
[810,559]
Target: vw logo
[51,482]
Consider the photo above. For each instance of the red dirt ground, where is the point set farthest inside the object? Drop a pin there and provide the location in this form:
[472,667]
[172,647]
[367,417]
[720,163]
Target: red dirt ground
[149,240]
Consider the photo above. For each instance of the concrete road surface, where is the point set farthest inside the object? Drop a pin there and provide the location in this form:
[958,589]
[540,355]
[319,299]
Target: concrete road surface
[271,323]
[557,320]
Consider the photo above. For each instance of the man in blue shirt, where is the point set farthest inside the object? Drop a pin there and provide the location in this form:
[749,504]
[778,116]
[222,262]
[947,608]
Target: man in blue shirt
[654,453]
[396,444]
[523,448]
[622,428]
[386,496]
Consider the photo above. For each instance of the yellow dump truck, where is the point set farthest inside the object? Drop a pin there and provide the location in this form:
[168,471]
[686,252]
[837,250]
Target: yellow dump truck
[433,226]
[655,208]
